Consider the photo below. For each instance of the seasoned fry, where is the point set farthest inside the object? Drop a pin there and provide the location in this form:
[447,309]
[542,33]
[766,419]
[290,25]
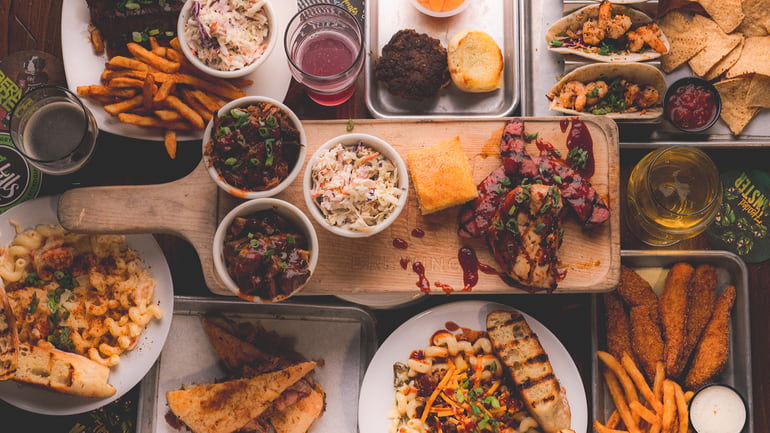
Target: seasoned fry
[673,315]
[669,406]
[168,115]
[136,119]
[98,90]
[166,88]
[644,413]
[641,384]
[227,92]
[681,408]
[174,55]
[123,106]
[620,404]
[657,384]
[603,429]
[199,108]
[128,63]
[153,43]
[148,91]
[241,82]
[188,113]
[97,41]
[126,82]
[169,141]
[152,59]
[613,420]
[625,381]
[204,99]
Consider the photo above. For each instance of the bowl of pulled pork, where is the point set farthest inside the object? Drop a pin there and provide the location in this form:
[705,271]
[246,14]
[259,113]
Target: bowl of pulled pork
[265,250]
[254,147]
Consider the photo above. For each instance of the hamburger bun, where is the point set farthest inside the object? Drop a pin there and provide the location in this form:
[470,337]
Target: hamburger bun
[475,62]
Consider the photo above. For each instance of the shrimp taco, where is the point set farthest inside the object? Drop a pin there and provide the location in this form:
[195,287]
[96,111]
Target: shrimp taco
[622,91]
[608,32]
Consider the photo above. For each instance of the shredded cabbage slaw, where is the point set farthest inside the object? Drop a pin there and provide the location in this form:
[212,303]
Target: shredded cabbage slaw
[228,35]
[355,187]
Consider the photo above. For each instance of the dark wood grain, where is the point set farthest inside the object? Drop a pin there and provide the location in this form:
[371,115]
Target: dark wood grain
[36,24]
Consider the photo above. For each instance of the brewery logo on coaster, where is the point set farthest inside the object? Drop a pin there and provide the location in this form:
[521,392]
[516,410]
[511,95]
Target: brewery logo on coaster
[744,216]
[19,181]
[23,71]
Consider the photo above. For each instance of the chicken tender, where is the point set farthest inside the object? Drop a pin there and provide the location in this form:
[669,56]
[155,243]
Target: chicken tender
[646,338]
[700,306]
[634,289]
[618,326]
[673,315]
[712,351]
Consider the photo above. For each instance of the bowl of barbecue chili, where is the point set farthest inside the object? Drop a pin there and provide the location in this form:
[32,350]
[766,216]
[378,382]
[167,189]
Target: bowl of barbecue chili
[265,250]
[692,104]
[254,147]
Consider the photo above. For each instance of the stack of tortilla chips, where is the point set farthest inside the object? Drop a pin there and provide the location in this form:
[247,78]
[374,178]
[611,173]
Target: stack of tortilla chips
[726,41]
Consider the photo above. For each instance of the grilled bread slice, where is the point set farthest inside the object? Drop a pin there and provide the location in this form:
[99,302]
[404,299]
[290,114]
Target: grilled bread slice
[528,366]
[228,406]
[64,372]
[9,338]
[298,417]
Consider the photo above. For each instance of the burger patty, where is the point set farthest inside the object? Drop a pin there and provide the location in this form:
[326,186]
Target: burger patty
[413,65]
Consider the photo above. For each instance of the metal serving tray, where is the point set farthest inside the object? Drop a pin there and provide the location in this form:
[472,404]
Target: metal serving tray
[541,69]
[653,265]
[344,337]
[499,18]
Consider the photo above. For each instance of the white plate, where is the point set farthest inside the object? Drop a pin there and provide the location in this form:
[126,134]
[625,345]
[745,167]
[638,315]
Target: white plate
[378,394]
[133,364]
[82,67]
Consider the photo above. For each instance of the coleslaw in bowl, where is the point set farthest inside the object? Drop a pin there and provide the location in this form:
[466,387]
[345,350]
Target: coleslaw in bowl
[227,38]
[355,185]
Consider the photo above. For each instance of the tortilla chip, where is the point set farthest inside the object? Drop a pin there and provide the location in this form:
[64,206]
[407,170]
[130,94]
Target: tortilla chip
[719,44]
[685,43]
[723,65]
[727,13]
[665,6]
[735,112]
[755,58]
[759,92]
[757,18]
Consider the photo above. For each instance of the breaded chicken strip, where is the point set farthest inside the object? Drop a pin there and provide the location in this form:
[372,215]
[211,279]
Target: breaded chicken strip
[713,349]
[700,306]
[634,289]
[673,315]
[646,338]
[618,326]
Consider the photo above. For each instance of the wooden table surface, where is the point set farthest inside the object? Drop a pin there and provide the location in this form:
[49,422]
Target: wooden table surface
[36,25]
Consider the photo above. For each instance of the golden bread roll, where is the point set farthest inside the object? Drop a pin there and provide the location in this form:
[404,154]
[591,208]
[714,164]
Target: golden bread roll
[475,62]
[441,176]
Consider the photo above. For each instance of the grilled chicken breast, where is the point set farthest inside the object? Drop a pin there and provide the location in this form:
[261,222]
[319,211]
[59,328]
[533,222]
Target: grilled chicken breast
[526,233]
[528,366]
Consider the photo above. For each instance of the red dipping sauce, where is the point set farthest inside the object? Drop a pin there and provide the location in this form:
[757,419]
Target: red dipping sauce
[691,107]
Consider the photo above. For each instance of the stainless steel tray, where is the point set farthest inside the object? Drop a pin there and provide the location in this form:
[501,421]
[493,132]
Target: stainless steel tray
[344,337]
[499,18]
[730,270]
[541,69]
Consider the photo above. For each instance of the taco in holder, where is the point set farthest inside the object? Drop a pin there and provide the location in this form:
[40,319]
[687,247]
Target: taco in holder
[622,91]
[608,32]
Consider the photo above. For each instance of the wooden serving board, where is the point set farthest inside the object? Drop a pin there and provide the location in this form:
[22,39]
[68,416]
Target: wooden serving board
[192,206]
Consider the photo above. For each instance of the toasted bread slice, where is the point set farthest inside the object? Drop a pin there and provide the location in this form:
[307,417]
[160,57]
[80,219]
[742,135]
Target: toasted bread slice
[527,363]
[9,338]
[226,407]
[64,372]
[298,417]
[233,351]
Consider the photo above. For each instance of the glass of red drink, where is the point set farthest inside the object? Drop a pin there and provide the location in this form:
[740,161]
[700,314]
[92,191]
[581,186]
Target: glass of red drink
[325,47]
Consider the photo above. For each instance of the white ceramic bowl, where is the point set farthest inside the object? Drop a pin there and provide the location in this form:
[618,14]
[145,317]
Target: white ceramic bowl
[445,14]
[245,193]
[384,149]
[272,40]
[287,210]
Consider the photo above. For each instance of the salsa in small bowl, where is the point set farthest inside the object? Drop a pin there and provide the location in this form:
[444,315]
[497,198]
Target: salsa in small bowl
[254,147]
[692,104]
[265,250]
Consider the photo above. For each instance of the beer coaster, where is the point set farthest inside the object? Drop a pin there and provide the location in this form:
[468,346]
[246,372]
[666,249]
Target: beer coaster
[744,216]
[23,71]
[19,181]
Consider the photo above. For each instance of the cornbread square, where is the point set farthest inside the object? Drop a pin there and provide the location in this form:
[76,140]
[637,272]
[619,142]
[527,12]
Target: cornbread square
[441,176]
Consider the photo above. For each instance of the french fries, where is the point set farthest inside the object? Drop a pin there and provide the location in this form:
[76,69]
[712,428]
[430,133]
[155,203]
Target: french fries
[158,88]
[660,407]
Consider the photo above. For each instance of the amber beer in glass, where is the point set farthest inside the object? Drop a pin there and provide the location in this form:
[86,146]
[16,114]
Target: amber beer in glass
[673,194]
